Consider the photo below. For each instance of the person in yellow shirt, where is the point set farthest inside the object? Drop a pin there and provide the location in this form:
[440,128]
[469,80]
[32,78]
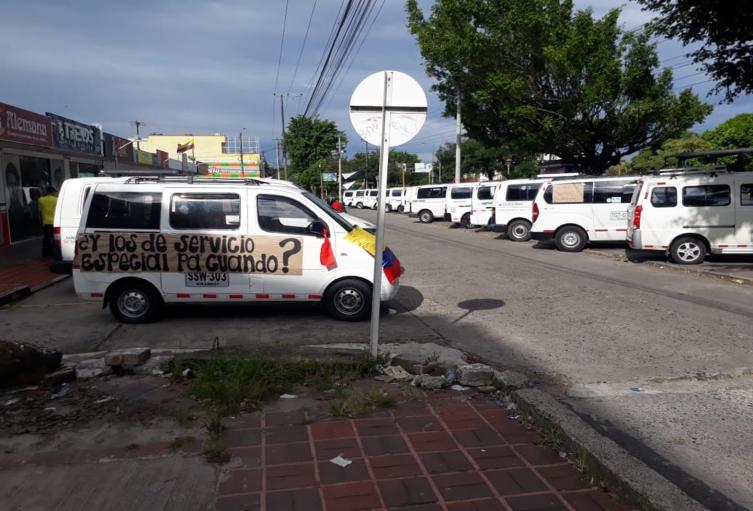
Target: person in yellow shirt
[47,205]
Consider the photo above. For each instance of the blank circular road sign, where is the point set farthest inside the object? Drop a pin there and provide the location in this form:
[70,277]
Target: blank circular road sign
[405,101]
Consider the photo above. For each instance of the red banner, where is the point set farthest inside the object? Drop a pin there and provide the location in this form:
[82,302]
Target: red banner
[163,157]
[22,126]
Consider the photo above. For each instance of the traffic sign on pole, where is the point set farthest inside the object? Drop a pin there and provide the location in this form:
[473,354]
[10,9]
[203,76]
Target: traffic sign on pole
[387,109]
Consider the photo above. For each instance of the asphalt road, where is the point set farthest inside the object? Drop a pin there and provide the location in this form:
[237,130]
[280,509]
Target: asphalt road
[589,328]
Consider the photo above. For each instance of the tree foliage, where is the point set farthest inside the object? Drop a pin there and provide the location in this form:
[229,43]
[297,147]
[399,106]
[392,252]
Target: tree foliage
[650,159]
[723,27]
[551,79]
[731,134]
[310,142]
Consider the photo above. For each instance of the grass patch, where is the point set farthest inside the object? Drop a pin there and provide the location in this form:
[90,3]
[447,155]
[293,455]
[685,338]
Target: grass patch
[361,402]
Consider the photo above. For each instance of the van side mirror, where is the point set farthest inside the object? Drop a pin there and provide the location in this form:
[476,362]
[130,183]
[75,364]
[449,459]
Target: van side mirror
[316,228]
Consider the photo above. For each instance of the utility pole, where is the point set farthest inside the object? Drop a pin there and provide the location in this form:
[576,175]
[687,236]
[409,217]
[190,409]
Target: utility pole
[243,169]
[457,138]
[282,151]
[277,156]
[138,134]
[339,169]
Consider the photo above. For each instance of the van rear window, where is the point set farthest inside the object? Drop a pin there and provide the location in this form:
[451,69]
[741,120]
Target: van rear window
[706,196]
[746,194]
[484,192]
[397,193]
[461,193]
[517,193]
[125,210]
[664,197]
[373,193]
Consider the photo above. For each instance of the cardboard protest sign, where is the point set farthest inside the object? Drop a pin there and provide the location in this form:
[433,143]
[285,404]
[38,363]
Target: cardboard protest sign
[124,252]
[566,193]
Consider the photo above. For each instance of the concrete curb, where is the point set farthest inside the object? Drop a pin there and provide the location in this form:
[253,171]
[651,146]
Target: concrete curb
[626,475]
[21,292]
[734,279]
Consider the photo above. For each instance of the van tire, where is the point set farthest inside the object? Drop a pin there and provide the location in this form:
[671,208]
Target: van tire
[465,220]
[519,230]
[425,216]
[348,300]
[570,238]
[359,205]
[388,208]
[688,250]
[400,208]
[376,205]
[134,302]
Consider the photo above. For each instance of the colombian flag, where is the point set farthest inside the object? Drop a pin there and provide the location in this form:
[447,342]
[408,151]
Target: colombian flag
[391,265]
[182,148]
[367,241]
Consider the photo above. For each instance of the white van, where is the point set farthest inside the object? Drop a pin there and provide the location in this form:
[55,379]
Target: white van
[410,195]
[430,203]
[576,212]
[70,204]
[459,203]
[370,198]
[395,200]
[143,243]
[690,214]
[482,203]
[348,196]
[511,210]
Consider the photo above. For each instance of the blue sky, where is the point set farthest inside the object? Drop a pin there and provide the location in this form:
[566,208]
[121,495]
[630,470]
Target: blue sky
[205,66]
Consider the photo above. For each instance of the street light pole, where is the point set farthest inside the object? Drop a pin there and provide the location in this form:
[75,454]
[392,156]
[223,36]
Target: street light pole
[457,138]
[243,168]
[339,169]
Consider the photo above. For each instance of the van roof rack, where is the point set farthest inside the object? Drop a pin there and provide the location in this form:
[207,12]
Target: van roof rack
[196,180]
[675,171]
[683,157]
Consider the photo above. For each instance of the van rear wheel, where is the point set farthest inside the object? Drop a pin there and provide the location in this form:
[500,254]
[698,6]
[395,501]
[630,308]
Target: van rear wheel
[570,239]
[359,205]
[400,208]
[465,220]
[688,250]
[134,302]
[519,230]
[348,300]
[425,216]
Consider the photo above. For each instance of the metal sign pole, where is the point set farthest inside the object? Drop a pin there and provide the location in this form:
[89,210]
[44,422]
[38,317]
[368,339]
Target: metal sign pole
[384,156]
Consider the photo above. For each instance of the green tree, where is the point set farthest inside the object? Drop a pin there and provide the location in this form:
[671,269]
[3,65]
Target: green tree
[651,159]
[370,164]
[552,79]
[723,29]
[310,144]
[731,134]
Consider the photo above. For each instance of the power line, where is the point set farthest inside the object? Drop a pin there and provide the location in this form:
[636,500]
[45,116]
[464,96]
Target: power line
[303,45]
[282,44]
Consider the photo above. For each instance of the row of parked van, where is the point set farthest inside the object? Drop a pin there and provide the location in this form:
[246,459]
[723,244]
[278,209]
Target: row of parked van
[684,213]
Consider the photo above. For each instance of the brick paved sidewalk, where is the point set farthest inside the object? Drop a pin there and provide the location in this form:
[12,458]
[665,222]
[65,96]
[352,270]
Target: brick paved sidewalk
[447,453]
[23,269]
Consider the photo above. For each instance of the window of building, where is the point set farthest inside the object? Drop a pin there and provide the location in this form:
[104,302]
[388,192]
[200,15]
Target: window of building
[746,194]
[205,211]
[464,192]
[706,196]
[664,197]
[612,192]
[516,193]
[125,210]
[283,215]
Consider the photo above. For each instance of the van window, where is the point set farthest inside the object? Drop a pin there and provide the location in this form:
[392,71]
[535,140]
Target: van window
[329,211]
[125,210]
[612,192]
[205,211]
[484,193]
[464,192]
[664,197]
[348,194]
[359,194]
[373,193]
[569,193]
[397,193]
[431,193]
[706,196]
[517,193]
[746,194]
[282,214]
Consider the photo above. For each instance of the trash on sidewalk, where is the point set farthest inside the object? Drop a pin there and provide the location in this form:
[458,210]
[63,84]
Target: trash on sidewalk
[398,373]
[636,389]
[288,396]
[459,388]
[64,390]
[340,461]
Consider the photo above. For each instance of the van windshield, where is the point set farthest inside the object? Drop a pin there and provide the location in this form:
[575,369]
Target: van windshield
[329,211]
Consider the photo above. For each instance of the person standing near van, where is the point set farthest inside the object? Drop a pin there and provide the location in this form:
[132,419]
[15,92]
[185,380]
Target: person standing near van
[47,204]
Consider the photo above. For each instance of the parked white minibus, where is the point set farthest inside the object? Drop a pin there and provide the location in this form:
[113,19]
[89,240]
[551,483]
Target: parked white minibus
[146,242]
[482,203]
[576,212]
[429,203]
[690,214]
[348,197]
[459,203]
[395,200]
[370,198]
[511,213]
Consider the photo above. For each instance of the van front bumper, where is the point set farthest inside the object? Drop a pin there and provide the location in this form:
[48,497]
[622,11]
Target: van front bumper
[542,236]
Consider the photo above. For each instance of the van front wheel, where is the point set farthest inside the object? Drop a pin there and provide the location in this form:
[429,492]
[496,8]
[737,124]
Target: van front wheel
[348,300]
[465,220]
[570,239]
[425,217]
[135,303]
[688,250]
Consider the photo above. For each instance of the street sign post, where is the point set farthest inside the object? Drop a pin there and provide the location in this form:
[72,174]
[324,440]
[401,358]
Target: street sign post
[387,109]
